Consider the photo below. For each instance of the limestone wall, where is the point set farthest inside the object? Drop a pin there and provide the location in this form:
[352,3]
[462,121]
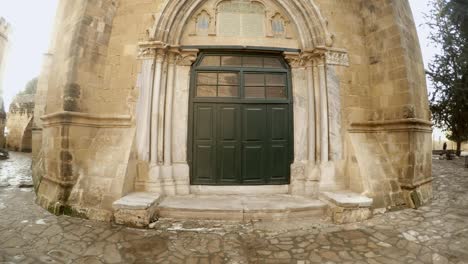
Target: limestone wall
[19,123]
[399,126]
[88,133]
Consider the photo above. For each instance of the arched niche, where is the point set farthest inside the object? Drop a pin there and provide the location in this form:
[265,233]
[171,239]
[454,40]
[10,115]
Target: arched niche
[240,23]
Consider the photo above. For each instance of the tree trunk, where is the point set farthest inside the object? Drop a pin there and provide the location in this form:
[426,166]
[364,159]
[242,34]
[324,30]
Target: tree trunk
[459,148]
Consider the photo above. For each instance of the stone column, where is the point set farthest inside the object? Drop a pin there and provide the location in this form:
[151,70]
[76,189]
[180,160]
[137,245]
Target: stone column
[180,113]
[300,106]
[143,111]
[313,171]
[181,105]
[324,148]
[160,108]
[159,58]
[173,53]
[318,132]
[311,108]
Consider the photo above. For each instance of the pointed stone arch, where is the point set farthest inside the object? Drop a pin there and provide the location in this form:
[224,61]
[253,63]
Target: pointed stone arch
[305,15]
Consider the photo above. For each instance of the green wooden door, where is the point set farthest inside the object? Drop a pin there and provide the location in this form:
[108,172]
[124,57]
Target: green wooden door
[244,138]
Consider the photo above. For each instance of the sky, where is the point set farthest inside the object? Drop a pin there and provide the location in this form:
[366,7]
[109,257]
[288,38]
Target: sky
[31,22]
[420,8]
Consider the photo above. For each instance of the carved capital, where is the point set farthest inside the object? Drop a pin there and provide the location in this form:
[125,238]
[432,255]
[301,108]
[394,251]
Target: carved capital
[294,59]
[152,50]
[160,55]
[308,58]
[146,53]
[187,57]
[173,55]
[304,59]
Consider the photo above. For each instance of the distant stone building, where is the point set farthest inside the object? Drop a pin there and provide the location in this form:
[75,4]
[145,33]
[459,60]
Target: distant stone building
[154,107]
[19,123]
[4,33]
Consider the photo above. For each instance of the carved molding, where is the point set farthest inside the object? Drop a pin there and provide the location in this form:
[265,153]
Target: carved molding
[400,125]
[335,57]
[87,120]
[161,51]
[169,25]
[318,56]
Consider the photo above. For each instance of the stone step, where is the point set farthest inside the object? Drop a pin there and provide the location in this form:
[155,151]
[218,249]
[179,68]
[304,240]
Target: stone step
[240,207]
[346,206]
[136,209]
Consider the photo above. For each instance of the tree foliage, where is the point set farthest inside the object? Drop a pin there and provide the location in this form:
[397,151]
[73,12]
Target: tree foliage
[449,70]
[30,87]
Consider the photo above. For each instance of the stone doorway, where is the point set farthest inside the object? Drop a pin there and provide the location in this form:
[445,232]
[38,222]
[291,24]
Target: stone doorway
[241,120]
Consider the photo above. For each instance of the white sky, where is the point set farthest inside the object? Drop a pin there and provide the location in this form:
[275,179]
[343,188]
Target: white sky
[32,22]
[421,7]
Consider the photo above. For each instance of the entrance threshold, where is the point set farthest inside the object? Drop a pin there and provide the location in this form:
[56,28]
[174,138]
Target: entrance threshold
[239,190]
[241,207]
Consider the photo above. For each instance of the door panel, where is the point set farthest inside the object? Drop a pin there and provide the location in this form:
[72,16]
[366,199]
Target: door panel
[278,162]
[229,155]
[204,169]
[278,116]
[253,159]
[204,152]
[278,143]
[204,119]
[254,139]
[228,164]
[228,122]
[254,123]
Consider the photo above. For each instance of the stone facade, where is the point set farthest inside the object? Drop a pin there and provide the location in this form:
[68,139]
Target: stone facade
[4,33]
[19,123]
[115,113]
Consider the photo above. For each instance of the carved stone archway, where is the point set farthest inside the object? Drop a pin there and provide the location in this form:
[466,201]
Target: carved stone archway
[162,118]
[311,26]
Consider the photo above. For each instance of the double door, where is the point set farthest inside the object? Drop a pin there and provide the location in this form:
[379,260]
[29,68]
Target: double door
[241,144]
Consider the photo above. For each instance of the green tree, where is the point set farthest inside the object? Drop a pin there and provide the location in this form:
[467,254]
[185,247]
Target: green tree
[448,70]
[30,87]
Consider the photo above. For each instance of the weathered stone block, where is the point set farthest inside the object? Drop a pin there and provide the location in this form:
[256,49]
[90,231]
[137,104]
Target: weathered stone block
[348,207]
[136,209]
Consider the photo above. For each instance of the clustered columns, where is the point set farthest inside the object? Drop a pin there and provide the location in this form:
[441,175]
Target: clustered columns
[311,147]
[162,114]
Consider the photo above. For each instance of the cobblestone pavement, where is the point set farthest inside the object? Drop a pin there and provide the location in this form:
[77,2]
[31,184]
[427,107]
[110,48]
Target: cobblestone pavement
[437,233]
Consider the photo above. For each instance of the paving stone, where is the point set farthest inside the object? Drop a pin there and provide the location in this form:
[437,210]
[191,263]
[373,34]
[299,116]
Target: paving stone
[436,233]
